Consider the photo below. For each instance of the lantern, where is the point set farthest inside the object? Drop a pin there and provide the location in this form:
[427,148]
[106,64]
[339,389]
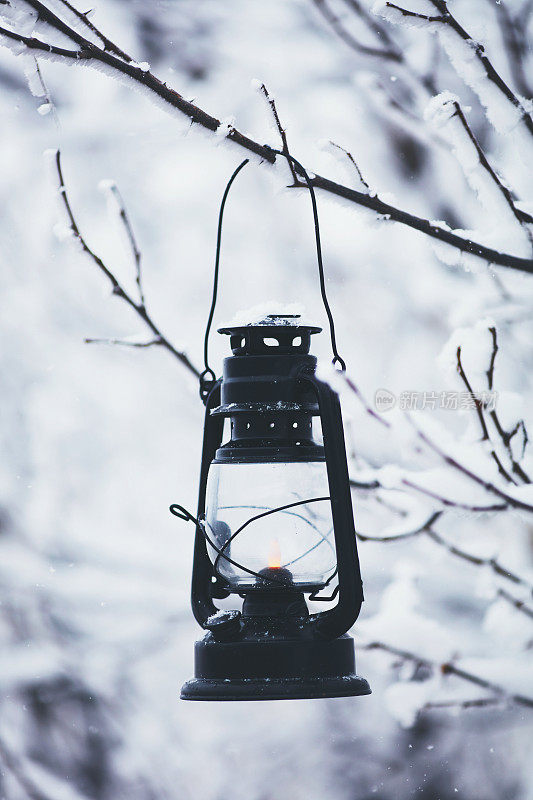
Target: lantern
[274,525]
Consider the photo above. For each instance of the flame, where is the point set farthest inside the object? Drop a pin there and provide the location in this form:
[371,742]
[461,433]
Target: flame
[274,555]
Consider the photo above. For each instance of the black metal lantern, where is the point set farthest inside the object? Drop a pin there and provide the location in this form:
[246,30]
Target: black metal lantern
[274,524]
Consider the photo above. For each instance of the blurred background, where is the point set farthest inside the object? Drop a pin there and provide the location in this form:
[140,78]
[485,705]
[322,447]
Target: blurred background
[97,440]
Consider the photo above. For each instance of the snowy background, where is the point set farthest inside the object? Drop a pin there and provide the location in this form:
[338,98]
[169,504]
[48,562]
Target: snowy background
[97,440]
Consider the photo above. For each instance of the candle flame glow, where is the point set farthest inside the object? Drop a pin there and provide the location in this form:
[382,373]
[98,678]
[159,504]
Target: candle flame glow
[274,555]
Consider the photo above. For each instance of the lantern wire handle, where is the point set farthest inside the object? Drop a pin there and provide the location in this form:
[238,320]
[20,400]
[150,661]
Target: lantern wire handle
[207,378]
[336,356]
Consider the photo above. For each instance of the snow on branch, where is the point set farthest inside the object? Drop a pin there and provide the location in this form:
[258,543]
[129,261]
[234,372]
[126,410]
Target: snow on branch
[446,115]
[138,306]
[86,53]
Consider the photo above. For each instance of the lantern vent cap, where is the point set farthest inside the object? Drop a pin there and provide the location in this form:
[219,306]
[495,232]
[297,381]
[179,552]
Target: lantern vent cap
[282,334]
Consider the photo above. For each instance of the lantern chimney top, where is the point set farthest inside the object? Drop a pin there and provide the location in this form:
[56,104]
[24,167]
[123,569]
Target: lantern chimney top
[274,334]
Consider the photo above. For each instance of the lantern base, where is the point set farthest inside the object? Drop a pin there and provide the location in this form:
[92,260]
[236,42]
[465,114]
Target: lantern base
[274,669]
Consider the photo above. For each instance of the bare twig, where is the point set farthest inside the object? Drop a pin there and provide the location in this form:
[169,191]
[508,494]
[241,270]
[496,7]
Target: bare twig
[389,54]
[506,436]
[379,30]
[364,484]
[124,342]
[353,162]
[90,55]
[477,401]
[281,130]
[108,45]
[363,537]
[475,509]
[480,561]
[369,410]
[520,605]
[118,290]
[490,371]
[113,188]
[415,14]
[479,410]
[480,702]
[450,669]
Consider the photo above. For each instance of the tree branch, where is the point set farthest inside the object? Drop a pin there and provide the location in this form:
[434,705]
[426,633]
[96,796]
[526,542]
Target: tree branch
[487,485]
[450,669]
[479,561]
[92,56]
[118,290]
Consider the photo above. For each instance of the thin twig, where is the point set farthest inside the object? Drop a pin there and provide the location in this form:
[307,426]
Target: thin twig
[415,14]
[124,342]
[490,371]
[448,668]
[281,130]
[477,401]
[479,561]
[107,43]
[480,702]
[118,290]
[343,34]
[476,509]
[369,410]
[396,537]
[479,410]
[520,605]
[353,162]
[131,238]
[92,56]
[506,436]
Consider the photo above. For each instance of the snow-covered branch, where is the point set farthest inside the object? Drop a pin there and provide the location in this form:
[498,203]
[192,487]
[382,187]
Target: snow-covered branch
[89,54]
[462,49]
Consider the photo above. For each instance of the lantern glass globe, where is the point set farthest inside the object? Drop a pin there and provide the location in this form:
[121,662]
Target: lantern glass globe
[274,517]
